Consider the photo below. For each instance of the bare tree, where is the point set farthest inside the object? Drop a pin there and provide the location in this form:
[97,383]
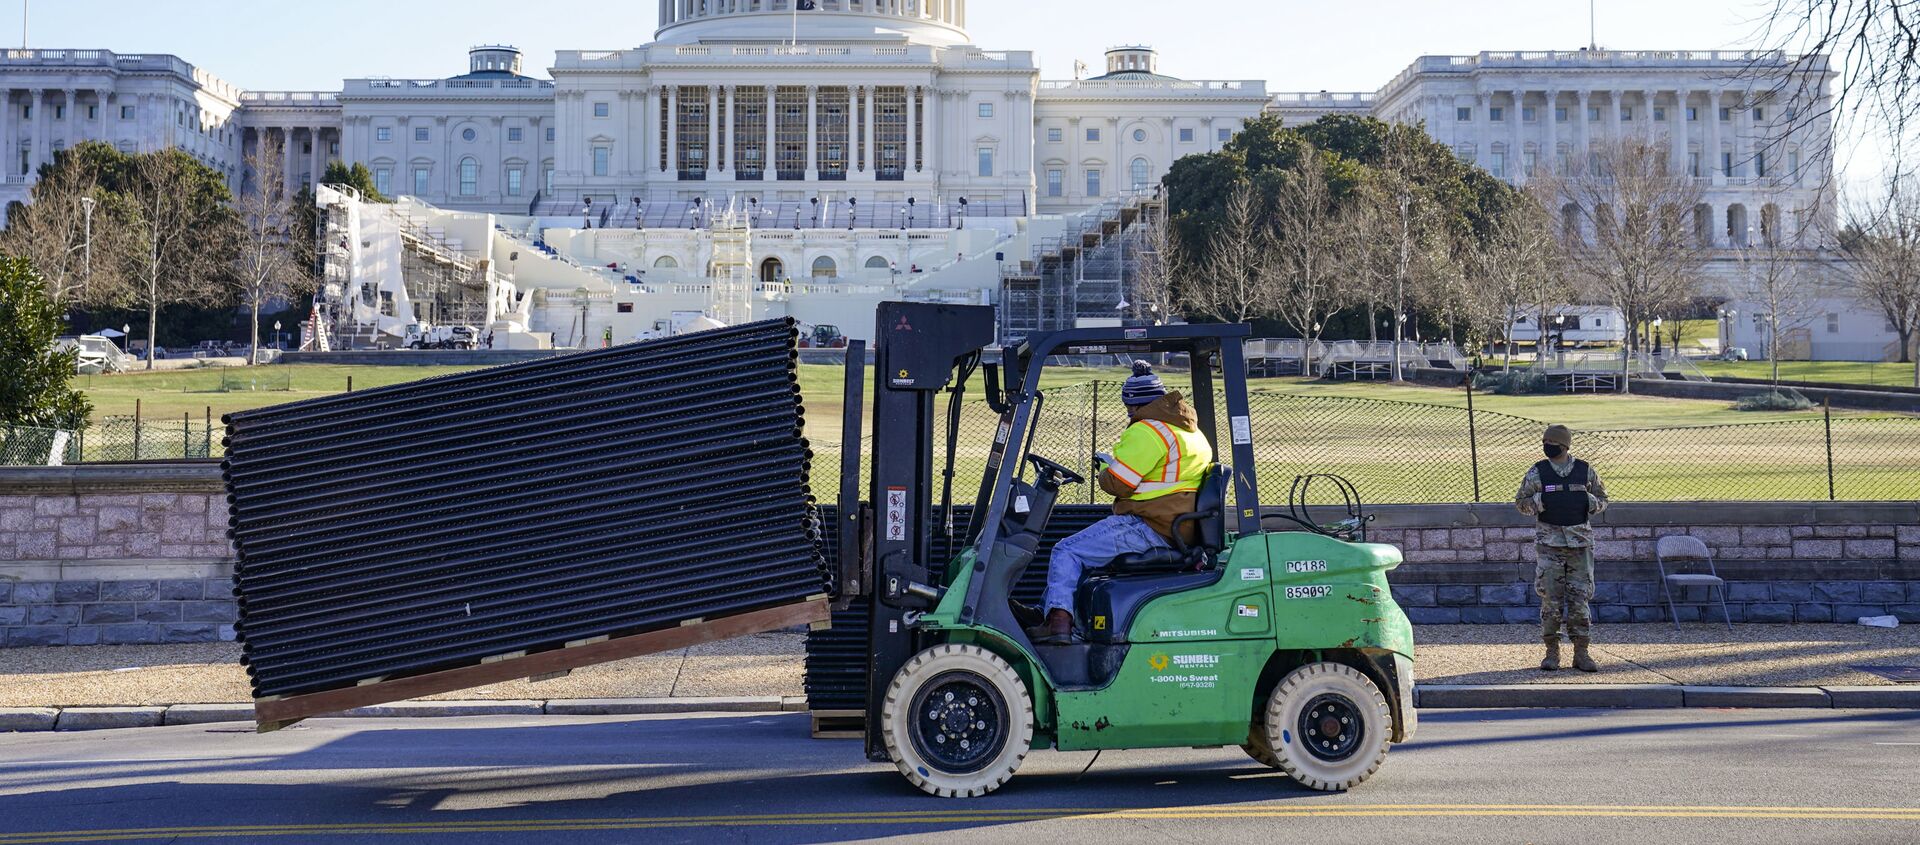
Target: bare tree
[1515,266]
[1872,49]
[267,267]
[1641,249]
[1882,239]
[178,234]
[1158,262]
[1778,279]
[67,232]
[1306,255]
[1233,282]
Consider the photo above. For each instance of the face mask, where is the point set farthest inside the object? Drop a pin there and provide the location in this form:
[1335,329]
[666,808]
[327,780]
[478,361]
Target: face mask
[1555,450]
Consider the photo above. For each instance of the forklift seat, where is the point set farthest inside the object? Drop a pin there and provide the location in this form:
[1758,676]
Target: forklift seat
[1209,519]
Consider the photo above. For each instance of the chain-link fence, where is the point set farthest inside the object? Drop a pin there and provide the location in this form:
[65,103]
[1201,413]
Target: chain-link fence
[1411,453]
[111,440]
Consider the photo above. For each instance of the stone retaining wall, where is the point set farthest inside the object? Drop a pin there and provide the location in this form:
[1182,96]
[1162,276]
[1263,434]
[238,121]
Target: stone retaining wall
[1784,562]
[112,554]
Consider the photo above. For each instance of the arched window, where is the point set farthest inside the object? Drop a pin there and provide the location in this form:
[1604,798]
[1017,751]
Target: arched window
[1770,224]
[877,263]
[666,262]
[1737,225]
[1570,223]
[771,270]
[1703,224]
[1142,173]
[824,268]
[469,177]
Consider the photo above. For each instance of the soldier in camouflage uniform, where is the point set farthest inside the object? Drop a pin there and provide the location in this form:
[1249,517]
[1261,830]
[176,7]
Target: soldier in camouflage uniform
[1564,493]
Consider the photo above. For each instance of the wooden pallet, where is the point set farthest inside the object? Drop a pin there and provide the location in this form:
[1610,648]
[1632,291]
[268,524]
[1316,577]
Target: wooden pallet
[275,713]
[839,724]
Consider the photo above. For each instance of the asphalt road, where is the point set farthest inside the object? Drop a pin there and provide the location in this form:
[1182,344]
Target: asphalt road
[1775,776]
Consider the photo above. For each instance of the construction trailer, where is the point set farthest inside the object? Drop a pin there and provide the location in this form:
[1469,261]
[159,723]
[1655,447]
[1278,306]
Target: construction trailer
[654,496]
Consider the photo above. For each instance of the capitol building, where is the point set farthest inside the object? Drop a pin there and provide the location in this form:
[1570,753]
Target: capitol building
[861,117]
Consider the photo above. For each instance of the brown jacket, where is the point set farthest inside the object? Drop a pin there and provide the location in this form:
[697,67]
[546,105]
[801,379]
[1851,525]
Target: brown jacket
[1171,409]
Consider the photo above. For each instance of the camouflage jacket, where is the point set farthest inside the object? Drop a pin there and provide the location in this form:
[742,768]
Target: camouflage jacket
[1569,536]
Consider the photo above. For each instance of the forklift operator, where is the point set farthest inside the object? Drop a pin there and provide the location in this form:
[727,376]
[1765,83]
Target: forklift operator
[1153,474]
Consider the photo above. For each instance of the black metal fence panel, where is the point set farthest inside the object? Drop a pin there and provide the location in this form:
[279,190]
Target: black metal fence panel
[435,524]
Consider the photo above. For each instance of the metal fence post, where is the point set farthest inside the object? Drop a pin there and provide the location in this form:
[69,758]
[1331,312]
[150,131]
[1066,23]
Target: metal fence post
[1473,439]
[1096,443]
[136,429]
[1826,411]
[186,435]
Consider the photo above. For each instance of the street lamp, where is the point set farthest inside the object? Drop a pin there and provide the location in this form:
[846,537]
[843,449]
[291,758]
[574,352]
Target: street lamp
[126,337]
[276,337]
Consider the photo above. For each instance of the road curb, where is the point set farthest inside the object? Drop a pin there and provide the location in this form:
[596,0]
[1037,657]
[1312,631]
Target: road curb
[1426,697]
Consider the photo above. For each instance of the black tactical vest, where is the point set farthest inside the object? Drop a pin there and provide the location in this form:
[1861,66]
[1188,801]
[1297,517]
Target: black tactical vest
[1563,500]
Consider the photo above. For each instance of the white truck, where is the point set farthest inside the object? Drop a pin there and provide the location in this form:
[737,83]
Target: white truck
[424,336]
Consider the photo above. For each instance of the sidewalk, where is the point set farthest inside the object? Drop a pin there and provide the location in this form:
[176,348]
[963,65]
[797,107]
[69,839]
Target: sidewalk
[771,665]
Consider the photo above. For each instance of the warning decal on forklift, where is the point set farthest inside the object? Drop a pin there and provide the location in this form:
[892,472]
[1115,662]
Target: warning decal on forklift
[1318,592]
[1246,611]
[1253,574]
[896,513]
[1242,431]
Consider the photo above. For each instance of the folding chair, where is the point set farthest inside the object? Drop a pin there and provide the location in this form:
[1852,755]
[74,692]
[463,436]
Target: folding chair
[1682,548]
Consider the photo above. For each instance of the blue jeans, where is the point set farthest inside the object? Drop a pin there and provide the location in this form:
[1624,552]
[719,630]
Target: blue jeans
[1098,545]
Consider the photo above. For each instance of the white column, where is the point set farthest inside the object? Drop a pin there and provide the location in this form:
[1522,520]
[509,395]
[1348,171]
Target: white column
[1517,157]
[713,128]
[673,130]
[72,136]
[286,161]
[812,133]
[319,160]
[912,163]
[733,127]
[8,149]
[872,144]
[768,170]
[1677,119]
[1615,127]
[1583,151]
[1714,141]
[934,159]
[1550,150]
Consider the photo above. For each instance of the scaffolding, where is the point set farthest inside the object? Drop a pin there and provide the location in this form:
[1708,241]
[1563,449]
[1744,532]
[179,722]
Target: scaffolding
[443,284]
[1085,276]
[730,295]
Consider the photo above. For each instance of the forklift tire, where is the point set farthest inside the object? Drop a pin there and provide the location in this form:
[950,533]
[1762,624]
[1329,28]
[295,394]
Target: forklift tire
[957,721]
[1322,698]
[1259,749]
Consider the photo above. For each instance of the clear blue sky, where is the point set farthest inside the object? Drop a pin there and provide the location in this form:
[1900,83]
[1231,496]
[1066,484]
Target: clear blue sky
[1295,45]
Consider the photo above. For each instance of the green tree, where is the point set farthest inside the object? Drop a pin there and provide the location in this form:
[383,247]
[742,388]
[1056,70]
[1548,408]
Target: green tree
[355,176]
[36,391]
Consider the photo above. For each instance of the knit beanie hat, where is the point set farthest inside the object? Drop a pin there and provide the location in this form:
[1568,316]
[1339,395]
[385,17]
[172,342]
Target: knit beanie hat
[1559,434]
[1144,388]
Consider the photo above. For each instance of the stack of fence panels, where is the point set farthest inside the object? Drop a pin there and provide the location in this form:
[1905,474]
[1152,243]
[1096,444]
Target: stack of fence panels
[521,509]
[836,673]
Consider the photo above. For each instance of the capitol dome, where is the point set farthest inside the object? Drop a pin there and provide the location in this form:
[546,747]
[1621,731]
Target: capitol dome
[941,23]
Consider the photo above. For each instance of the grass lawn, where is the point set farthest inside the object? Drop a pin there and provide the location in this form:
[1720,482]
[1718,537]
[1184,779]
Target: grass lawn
[1654,448]
[1821,372]
[1584,412]
[165,396]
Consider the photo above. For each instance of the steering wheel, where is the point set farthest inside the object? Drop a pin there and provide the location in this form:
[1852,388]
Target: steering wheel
[1046,467]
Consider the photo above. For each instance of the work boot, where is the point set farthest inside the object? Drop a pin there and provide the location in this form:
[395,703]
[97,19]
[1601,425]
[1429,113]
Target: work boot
[1057,630]
[1552,663]
[1027,615]
[1581,659]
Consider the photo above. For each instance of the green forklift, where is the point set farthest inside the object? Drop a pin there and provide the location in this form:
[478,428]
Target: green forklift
[1270,632]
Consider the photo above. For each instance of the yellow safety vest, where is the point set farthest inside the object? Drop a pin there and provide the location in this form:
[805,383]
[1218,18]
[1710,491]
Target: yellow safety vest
[1158,459]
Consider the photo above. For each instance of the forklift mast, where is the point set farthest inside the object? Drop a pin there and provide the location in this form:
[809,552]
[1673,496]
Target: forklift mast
[919,349]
